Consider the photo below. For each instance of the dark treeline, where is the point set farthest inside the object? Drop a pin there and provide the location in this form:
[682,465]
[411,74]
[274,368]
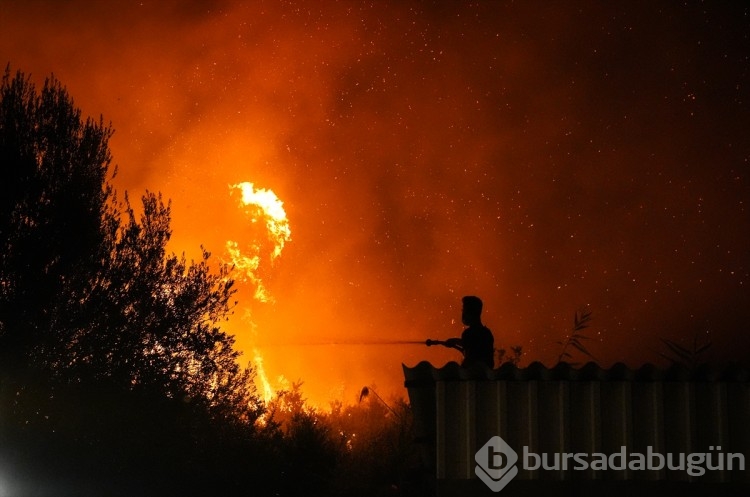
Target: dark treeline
[115,375]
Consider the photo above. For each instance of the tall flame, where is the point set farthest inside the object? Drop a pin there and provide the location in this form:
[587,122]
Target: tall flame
[262,376]
[264,204]
[259,204]
[272,210]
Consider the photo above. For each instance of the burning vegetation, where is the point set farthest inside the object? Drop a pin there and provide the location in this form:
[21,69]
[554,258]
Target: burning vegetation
[116,376]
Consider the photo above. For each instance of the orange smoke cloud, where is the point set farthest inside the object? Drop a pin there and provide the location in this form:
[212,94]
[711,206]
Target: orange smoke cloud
[538,156]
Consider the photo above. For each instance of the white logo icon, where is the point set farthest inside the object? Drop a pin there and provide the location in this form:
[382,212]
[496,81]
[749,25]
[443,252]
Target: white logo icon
[496,463]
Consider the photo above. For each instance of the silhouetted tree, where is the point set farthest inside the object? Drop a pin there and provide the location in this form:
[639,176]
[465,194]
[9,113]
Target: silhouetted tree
[88,292]
[152,320]
[113,363]
[53,195]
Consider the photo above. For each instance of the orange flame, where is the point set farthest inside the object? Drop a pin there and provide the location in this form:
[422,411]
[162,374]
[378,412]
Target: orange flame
[264,204]
[272,210]
[260,204]
[262,376]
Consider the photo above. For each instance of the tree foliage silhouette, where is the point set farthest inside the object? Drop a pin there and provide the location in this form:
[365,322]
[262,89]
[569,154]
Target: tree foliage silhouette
[52,197]
[161,314]
[108,344]
[88,293]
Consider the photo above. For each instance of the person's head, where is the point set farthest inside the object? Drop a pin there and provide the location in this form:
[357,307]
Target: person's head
[471,311]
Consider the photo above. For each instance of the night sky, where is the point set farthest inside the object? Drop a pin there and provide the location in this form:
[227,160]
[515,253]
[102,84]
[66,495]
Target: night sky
[543,156]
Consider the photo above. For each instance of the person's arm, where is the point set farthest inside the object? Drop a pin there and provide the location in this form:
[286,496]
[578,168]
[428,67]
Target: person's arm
[455,343]
[451,343]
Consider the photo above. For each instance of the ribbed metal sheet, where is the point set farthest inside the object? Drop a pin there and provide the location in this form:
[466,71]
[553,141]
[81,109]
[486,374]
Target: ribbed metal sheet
[586,410]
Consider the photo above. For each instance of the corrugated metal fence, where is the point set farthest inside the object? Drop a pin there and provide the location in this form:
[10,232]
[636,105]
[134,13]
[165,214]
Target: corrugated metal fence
[588,410]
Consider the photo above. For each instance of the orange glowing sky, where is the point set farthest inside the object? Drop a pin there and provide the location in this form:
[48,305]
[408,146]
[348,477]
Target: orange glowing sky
[540,156]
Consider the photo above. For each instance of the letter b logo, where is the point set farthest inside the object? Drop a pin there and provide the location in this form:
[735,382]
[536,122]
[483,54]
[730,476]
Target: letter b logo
[495,458]
[496,463]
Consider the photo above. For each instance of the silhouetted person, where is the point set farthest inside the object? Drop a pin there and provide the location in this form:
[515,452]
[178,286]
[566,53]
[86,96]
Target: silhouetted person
[476,343]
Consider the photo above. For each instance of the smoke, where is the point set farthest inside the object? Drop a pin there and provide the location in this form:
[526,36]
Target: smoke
[540,157]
